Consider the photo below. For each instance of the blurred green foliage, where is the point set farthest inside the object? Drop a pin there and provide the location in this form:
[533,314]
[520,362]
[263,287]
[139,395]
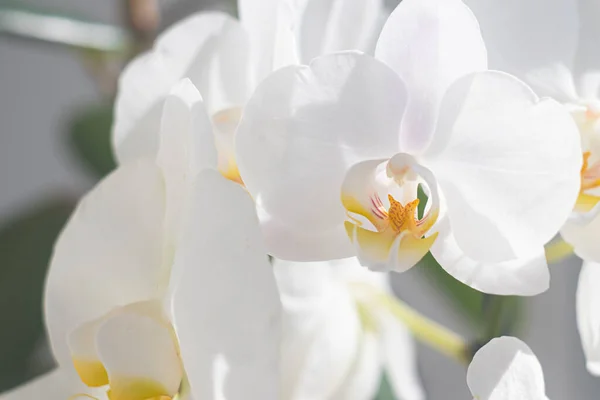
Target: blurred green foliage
[89,138]
[385,390]
[26,243]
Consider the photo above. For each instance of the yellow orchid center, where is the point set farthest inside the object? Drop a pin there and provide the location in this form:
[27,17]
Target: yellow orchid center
[391,237]
[588,121]
[403,218]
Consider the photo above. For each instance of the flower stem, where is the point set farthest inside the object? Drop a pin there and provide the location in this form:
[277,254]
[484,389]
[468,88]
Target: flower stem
[426,330]
[558,250]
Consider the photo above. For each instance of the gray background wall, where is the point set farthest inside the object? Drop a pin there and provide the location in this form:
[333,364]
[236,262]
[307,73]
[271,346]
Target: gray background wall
[39,85]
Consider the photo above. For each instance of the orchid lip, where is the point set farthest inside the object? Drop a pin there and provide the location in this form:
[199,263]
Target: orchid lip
[381,202]
[94,373]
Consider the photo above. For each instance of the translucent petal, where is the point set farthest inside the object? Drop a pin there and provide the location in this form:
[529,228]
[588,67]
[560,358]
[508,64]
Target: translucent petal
[303,129]
[508,165]
[141,357]
[506,369]
[226,307]
[521,277]
[210,48]
[430,44]
[114,240]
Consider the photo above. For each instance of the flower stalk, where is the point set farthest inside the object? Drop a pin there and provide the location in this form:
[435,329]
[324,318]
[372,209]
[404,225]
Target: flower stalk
[426,330]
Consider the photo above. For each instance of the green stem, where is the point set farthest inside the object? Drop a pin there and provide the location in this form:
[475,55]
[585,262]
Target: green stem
[494,310]
[426,330]
[558,250]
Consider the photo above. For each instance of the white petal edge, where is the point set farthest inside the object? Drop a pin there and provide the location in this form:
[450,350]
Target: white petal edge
[506,369]
[508,165]
[321,330]
[187,146]
[148,79]
[398,351]
[304,127]
[430,44]
[522,277]
[226,306]
[328,26]
[583,236]
[139,350]
[109,254]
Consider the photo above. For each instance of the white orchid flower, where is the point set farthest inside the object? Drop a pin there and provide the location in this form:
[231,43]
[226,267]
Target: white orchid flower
[506,369]
[337,337]
[553,45]
[226,59]
[160,286]
[500,165]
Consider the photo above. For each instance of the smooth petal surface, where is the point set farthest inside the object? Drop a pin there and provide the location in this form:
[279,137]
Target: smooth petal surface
[508,165]
[270,27]
[328,26]
[430,44]
[399,355]
[506,369]
[321,331]
[58,384]
[114,240]
[301,131]
[588,317]
[209,48]
[583,236]
[363,381]
[140,356]
[187,146]
[540,45]
[522,277]
[226,307]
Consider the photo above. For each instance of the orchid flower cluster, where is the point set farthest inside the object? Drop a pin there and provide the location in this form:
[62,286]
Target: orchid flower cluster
[346,142]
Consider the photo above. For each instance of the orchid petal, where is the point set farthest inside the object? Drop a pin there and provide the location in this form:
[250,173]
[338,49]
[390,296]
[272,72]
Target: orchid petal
[506,369]
[140,356]
[321,330]
[522,277]
[508,165]
[187,146]
[114,240]
[362,381]
[210,48]
[226,307]
[583,236]
[328,26]
[430,44]
[398,350]
[588,321]
[302,130]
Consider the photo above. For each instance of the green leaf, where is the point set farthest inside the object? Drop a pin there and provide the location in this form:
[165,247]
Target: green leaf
[89,137]
[26,243]
[385,389]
